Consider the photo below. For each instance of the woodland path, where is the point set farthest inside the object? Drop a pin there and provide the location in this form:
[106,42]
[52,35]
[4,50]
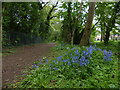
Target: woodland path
[13,65]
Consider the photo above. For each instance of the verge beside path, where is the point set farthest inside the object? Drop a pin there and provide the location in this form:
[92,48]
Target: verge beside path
[12,65]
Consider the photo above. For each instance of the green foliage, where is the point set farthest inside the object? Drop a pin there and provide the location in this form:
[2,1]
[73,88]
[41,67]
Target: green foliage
[23,23]
[108,18]
[8,51]
[58,73]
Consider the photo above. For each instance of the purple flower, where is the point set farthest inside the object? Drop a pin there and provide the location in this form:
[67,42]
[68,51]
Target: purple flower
[90,50]
[75,57]
[46,60]
[50,65]
[95,45]
[54,61]
[65,60]
[85,53]
[76,52]
[69,63]
[73,48]
[34,66]
[107,55]
[73,61]
[62,65]
[55,68]
[105,52]
[40,63]
[59,58]
[99,49]
[83,61]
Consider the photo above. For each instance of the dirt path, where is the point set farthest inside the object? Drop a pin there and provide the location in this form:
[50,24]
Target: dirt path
[12,65]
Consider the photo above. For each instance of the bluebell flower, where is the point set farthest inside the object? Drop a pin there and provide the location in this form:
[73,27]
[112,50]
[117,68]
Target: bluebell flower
[82,58]
[107,55]
[54,61]
[59,58]
[91,47]
[69,63]
[105,52]
[65,60]
[62,65]
[85,53]
[47,60]
[110,52]
[62,44]
[40,63]
[95,45]
[99,49]
[90,51]
[76,52]
[83,61]
[34,66]
[55,68]
[77,61]
[82,64]
[50,65]
[73,48]
[73,61]
[75,57]
[71,54]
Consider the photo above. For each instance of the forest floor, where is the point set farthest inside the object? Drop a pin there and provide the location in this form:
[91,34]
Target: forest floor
[14,64]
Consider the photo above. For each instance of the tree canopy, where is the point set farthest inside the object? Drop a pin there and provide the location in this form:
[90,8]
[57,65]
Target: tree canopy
[34,22]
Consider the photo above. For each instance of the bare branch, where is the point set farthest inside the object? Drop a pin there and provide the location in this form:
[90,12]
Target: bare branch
[45,5]
[49,14]
[52,17]
[95,24]
[41,2]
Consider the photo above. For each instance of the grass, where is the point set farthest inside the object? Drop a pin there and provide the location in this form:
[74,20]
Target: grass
[99,74]
[8,51]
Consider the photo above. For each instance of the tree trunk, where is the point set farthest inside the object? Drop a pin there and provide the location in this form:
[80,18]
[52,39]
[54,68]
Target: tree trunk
[77,34]
[107,36]
[101,35]
[85,40]
[102,31]
[73,26]
[1,17]
[72,37]
[70,29]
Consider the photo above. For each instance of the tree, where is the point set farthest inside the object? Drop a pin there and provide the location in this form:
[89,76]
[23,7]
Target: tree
[110,24]
[23,23]
[107,13]
[87,31]
[49,17]
[73,21]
